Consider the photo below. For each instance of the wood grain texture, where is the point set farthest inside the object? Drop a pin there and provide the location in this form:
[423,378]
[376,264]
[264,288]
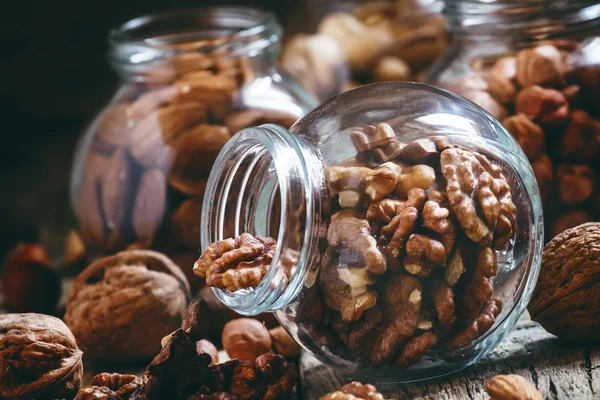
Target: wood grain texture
[559,370]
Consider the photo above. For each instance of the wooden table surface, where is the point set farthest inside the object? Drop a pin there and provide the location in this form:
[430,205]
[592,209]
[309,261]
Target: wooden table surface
[558,369]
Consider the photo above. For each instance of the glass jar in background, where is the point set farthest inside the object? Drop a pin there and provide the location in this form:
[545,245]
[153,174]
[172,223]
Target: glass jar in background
[190,79]
[358,42]
[396,230]
[535,65]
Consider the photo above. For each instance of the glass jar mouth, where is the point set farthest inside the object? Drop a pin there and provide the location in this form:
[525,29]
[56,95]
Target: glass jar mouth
[232,31]
[263,183]
[541,19]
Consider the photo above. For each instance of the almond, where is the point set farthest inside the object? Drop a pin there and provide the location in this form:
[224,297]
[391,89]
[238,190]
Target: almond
[511,387]
[115,195]
[217,92]
[151,135]
[195,152]
[150,205]
[185,222]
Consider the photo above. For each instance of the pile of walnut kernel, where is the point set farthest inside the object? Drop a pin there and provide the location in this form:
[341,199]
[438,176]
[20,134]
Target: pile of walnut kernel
[412,249]
[551,106]
[152,150]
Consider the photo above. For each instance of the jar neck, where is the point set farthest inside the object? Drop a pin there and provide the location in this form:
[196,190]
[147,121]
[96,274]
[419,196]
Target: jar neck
[522,22]
[267,182]
[207,36]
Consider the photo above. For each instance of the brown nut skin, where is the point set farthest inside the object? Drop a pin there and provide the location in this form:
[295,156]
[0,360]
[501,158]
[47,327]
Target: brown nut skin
[245,339]
[283,343]
[39,358]
[509,387]
[121,306]
[566,299]
[28,282]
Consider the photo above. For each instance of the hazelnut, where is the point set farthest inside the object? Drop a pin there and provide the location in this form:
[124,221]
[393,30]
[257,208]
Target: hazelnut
[542,168]
[546,105]
[582,137]
[121,306]
[575,183]
[28,281]
[204,346]
[566,299]
[541,65]
[283,343]
[245,338]
[527,133]
[391,69]
[39,358]
[485,100]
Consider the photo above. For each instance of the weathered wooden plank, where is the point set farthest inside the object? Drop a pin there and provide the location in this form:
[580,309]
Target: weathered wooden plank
[558,369]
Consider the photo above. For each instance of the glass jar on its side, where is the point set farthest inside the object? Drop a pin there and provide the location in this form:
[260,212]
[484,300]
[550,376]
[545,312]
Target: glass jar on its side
[365,227]
[190,80]
[535,65]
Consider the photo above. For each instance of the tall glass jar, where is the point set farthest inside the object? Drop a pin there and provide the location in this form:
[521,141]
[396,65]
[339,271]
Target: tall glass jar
[190,80]
[535,65]
[362,228]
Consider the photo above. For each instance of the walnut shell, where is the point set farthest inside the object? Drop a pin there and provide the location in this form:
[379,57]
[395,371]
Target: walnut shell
[121,306]
[566,300]
[39,358]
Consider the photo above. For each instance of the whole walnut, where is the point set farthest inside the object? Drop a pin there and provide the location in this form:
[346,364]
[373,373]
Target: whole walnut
[39,358]
[245,338]
[121,306]
[566,299]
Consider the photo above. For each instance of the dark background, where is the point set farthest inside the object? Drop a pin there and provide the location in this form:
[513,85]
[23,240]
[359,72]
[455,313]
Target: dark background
[54,79]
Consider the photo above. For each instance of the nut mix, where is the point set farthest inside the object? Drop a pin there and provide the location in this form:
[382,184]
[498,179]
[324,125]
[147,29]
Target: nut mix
[122,305]
[180,371]
[143,174]
[550,107]
[412,250]
[39,358]
[377,41]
